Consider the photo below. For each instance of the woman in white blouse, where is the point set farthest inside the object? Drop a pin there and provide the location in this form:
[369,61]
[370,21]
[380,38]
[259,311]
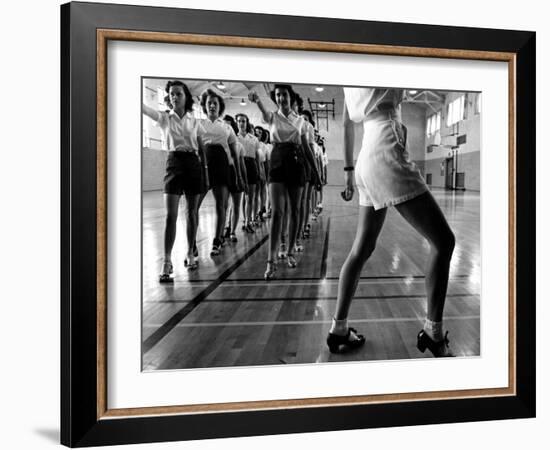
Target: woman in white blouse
[386,177]
[185,171]
[268,147]
[251,146]
[220,146]
[261,192]
[287,173]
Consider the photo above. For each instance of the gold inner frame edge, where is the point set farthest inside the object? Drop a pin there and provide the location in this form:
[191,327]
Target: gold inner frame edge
[103,36]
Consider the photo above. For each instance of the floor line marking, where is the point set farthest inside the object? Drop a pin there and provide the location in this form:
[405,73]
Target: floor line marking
[324,258]
[282,282]
[380,277]
[310,322]
[166,327]
[325,298]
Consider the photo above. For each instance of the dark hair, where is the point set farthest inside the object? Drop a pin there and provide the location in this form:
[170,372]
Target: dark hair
[210,93]
[232,122]
[266,137]
[299,102]
[188,97]
[309,116]
[262,130]
[167,102]
[286,87]
[248,125]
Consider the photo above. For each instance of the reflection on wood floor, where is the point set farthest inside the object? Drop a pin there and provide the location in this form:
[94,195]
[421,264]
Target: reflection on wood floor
[225,314]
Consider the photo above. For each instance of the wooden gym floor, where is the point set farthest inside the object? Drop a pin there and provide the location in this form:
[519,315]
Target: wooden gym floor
[225,314]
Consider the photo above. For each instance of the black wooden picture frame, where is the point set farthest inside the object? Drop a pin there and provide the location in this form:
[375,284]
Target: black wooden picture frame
[84,416]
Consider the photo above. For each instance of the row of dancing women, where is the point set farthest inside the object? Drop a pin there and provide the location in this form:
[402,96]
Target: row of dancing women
[204,155]
[237,162]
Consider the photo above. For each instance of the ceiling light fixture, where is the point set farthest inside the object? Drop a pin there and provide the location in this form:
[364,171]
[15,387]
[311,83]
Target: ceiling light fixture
[319,88]
[413,92]
[322,105]
[243,103]
[220,85]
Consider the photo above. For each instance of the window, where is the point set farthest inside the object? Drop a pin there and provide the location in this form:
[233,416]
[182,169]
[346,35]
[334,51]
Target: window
[433,124]
[160,99]
[455,111]
[478,104]
[198,113]
[428,178]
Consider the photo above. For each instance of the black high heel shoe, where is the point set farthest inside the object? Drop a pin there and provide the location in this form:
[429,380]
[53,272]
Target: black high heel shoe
[334,341]
[166,273]
[439,349]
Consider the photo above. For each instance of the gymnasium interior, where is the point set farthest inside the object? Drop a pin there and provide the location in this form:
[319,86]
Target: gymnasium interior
[225,314]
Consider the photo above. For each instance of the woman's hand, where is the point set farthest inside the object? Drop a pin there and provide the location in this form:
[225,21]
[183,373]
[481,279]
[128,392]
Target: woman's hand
[253,97]
[347,194]
[317,182]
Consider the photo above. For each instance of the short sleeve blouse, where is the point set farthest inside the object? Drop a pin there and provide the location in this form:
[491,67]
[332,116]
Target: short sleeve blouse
[250,144]
[217,133]
[286,128]
[180,132]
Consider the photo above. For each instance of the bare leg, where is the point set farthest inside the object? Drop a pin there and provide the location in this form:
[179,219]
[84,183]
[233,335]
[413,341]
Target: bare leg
[262,197]
[245,200]
[256,202]
[307,205]
[236,197]
[192,222]
[277,194]
[171,204]
[369,226]
[250,203]
[294,199]
[302,212]
[424,214]
[221,194]
[284,227]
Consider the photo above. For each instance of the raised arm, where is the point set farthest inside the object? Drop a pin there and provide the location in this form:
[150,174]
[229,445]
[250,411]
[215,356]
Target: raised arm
[150,112]
[349,138]
[255,98]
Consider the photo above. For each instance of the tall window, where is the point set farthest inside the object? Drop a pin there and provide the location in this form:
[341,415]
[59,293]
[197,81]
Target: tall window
[455,111]
[433,124]
[198,113]
[160,99]
[478,104]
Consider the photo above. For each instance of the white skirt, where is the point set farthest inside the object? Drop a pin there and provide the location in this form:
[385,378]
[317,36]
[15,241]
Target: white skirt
[384,174]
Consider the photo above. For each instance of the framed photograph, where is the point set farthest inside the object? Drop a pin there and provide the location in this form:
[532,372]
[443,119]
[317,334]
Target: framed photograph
[278,224]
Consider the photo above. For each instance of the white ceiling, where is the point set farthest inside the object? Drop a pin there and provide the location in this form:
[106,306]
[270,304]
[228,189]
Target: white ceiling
[234,92]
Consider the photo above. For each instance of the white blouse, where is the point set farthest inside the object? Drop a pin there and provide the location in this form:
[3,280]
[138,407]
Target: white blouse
[250,143]
[180,133]
[361,102]
[268,149]
[240,149]
[310,131]
[217,133]
[263,152]
[286,129]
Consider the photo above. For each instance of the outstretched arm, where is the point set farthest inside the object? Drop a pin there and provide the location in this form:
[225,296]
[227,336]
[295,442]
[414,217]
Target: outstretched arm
[255,98]
[349,138]
[150,112]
